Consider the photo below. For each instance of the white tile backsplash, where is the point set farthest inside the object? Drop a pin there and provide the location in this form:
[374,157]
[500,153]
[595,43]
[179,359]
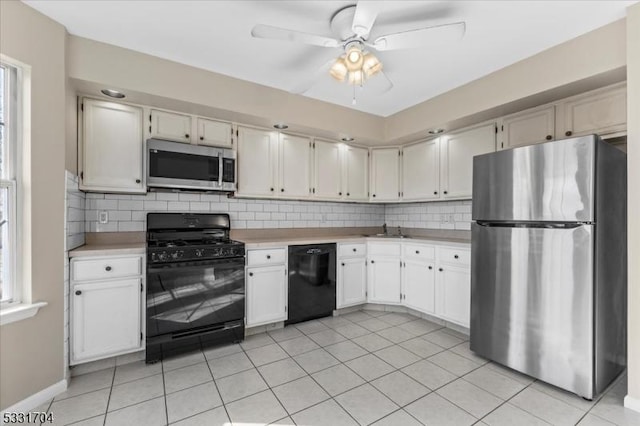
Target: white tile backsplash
[432,215]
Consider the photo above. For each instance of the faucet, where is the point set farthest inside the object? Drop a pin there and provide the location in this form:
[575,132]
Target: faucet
[400,231]
[384,228]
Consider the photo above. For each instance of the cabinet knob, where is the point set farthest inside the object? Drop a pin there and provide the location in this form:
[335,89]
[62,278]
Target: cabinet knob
[348,194]
[435,192]
[549,137]
[78,292]
[108,268]
[430,267]
[268,256]
[440,269]
[568,133]
[201,138]
[138,181]
[455,256]
[281,189]
[355,250]
[445,192]
[373,261]
[374,195]
[417,251]
[342,263]
[186,135]
[271,189]
[339,193]
[250,274]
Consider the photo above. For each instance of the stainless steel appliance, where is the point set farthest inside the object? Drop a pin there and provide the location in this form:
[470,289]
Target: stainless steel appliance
[195,283]
[312,282]
[185,166]
[549,255]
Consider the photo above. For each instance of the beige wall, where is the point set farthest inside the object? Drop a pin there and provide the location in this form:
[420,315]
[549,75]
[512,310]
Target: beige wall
[71,111]
[633,159]
[127,70]
[592,54]
[31,352]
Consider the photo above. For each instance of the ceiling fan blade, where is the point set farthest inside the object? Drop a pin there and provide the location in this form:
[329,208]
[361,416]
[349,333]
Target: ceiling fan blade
[365,16]
[312,78]
[276,33]
[378,84]
[424,37]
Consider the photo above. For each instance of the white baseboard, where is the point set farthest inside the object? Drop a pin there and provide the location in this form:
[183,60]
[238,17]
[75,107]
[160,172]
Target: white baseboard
[632,403]
[36,399]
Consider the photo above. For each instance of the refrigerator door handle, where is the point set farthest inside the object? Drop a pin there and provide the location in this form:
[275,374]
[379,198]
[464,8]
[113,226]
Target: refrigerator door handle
[543,225]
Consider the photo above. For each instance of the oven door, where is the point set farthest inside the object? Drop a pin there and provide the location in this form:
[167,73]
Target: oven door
[185,296]
[179,165]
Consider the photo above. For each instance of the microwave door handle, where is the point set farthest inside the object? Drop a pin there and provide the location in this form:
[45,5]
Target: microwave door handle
[220,168]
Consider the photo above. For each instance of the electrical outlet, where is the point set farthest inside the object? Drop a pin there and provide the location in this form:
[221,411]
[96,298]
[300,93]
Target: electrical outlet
[103,216]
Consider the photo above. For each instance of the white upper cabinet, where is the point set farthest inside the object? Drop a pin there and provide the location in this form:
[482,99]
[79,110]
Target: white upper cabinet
[257,161]
[111,148]
[294,166]
[528,127]
[601,111]
[214,133]
[170,126]
[421,171]
[327,182]
[457,150]
[385,174]
[356,174]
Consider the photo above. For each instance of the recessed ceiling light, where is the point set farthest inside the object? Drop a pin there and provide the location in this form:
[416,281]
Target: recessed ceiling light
[435,131]
[347,139]
[280,126]
[112,93]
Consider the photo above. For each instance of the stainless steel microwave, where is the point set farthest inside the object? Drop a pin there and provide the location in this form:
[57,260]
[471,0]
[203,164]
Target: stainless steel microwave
[185,166]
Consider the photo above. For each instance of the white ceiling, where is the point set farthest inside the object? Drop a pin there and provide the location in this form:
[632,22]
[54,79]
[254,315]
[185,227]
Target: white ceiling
[216,35]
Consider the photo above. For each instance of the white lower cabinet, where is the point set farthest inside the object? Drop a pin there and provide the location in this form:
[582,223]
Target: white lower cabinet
[352,275]
[266,287]
[453,286]
[383,278]
[106,314]
[418,285]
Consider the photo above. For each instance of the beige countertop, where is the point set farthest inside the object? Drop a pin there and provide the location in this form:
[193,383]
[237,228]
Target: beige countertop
[266,242]
[96,249]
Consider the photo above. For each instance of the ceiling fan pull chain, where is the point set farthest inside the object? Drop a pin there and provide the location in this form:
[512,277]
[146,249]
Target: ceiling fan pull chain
[353,102]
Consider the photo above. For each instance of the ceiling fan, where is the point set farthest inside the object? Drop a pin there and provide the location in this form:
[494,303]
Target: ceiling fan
[351,27]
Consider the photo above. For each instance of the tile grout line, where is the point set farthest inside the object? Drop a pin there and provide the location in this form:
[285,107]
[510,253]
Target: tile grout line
[217,389]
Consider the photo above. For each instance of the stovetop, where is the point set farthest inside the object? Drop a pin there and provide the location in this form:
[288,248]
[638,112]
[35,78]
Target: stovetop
[165,251]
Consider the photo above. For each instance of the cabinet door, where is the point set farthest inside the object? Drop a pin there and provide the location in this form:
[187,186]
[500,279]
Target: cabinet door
[352,282]
[421,171]
[385,174]
[453,293]
[112,147]
[383,277]
[327,166]
[356,172]
[257,161]
[295,166]
[214,133]
[602,112]
[528,127]
[418,286]
[105,318]
[456,159]
[266,295]
[170,126]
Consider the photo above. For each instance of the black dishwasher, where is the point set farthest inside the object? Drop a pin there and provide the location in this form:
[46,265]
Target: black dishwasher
[312,282]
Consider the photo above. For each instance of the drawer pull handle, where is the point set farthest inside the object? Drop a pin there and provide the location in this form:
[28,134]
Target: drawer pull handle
[455,256]
[268,256]
[78,292]
[108,268]
[250,274]
[417,251]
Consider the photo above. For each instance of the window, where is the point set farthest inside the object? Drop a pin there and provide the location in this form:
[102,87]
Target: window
[10,290]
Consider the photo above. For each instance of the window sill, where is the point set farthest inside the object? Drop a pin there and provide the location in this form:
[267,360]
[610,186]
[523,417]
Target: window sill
[20,312]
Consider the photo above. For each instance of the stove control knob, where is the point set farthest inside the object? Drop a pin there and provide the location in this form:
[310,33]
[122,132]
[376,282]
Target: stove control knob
[177,254]
[162,256]
[199,252]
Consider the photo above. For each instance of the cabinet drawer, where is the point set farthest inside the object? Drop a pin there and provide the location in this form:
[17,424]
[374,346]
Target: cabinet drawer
[266,257]
[418,252]
[454,256]
[352,250]
[105,268]
[383,249]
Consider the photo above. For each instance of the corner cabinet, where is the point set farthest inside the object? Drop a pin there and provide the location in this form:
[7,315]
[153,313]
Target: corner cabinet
[107,131]
[107,302]
[457,150]
[383,272]
[421,171]
[385,174]
[266,286]
[356,174]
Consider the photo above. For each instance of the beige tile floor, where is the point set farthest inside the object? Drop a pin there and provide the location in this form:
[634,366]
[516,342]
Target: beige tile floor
[364,368]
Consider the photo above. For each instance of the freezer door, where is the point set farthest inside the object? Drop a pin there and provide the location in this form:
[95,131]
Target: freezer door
[552,182]
[532,302]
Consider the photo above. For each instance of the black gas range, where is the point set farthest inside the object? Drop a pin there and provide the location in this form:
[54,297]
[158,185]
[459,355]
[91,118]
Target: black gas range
[195,283]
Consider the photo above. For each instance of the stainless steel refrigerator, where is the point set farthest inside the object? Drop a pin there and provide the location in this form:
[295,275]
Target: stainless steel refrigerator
[549,262]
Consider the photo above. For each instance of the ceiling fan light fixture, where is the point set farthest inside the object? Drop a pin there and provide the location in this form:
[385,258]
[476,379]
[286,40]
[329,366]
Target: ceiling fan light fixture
[354,57]
[371,65]
[356,78]
[339,69]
